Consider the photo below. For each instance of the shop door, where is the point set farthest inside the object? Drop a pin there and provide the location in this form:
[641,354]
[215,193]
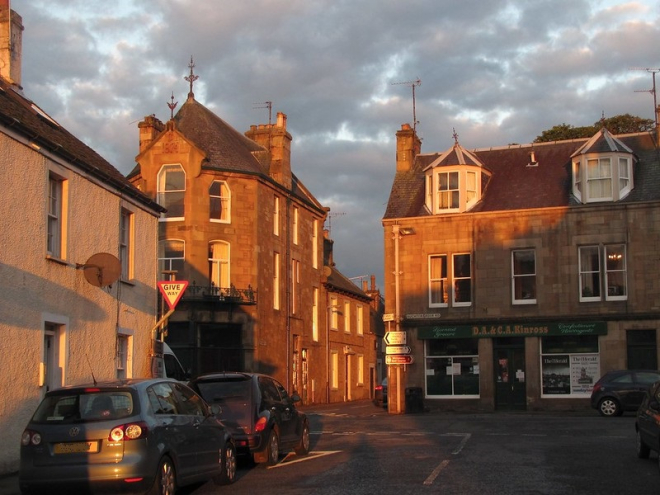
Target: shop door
[510,390]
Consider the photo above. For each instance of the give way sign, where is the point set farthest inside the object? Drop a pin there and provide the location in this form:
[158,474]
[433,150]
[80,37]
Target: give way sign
[172,291]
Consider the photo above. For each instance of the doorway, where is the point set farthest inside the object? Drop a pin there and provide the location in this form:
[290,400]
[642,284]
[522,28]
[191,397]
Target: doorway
[509,373]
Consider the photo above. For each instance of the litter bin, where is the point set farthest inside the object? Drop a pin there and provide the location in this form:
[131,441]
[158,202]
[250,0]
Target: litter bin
[414,400]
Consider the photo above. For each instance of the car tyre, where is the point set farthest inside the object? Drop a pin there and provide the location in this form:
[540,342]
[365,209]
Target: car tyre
[609,407]
[165,482]
[228,466]
[303,446]
[272,449]
[642,449]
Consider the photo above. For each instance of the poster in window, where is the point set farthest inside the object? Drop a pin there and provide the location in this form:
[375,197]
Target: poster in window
[556,375]
[584,370]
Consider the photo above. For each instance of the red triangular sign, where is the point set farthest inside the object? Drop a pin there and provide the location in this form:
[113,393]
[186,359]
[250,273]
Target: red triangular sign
[172,291]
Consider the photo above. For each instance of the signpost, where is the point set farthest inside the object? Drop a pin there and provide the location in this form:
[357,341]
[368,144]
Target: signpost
[388,317]
[395,338]
[399,359]
[398,349]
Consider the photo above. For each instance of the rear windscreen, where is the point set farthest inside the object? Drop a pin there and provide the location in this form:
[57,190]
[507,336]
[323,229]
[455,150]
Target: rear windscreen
[217,392]
[83,407]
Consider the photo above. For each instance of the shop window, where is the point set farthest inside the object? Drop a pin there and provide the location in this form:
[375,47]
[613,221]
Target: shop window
[452,368]
[570,365]
[642,349]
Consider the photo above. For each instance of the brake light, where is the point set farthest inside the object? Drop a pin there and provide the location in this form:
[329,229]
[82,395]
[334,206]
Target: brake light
[128,431]
[30,437]
[261,424]
[379,387]
[597,387]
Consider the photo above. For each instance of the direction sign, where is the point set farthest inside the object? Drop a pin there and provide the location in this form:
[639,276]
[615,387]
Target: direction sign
[398,349]
[399,359]
[388,317]
[172,291]
[394,338]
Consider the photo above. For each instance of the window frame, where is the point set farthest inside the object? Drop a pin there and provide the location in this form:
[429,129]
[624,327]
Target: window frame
[223,198]
[621,255]
[520,277]
[218,277]
[162,193]
[453,194]
[606,272]
[170,260]
[126,244]
[443,281]
[456,278]
[56,215]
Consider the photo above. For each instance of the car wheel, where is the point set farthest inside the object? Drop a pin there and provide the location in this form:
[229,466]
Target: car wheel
[642,449]
[165,482]
[273,449]
[303,446]
[228,465]
[609,407]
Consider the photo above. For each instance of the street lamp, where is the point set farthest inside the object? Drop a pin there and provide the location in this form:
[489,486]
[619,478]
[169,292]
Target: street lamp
[397,233]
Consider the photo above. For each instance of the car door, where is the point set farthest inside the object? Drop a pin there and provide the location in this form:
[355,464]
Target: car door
[648,417]
[288,414]
[643,380]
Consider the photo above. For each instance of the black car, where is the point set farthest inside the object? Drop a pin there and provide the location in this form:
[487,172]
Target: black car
[621,390]
[124,436]
[647,424]
[380,394]
[263,417]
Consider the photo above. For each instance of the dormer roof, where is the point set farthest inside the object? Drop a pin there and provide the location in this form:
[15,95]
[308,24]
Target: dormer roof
[602,142]
[456,155]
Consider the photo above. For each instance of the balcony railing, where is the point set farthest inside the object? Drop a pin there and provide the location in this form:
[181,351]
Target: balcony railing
[211,293]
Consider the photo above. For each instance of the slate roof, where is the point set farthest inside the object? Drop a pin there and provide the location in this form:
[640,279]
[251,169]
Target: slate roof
[514,185]
[338,282]
[25,118]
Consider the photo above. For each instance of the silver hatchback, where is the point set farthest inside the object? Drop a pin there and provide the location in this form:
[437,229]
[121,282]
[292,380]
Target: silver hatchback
[124,436]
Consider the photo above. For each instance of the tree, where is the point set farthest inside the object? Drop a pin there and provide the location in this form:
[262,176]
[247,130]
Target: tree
[619,124]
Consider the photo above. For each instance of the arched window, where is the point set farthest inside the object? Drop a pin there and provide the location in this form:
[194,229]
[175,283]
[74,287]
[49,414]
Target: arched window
[171,254]
[171,191]
[219,202]
[219,264]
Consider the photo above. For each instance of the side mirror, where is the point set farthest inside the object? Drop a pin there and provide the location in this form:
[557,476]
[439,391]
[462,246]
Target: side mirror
[216,409]
[295,398]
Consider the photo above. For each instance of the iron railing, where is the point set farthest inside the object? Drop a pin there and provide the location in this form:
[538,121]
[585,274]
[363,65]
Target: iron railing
[212,293]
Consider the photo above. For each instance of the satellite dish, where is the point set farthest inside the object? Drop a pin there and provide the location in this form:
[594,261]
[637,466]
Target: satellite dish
[101,269]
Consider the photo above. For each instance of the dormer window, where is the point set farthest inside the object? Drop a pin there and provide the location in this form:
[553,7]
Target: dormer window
[451,190]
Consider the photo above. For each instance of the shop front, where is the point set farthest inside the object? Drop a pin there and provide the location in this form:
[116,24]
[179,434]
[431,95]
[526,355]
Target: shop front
[539,365]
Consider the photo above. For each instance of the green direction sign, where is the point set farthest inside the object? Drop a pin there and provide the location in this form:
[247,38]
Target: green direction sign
[513,330]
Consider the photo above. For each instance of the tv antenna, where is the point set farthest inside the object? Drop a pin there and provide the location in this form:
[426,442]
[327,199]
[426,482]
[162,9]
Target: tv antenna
[330,215]
[269,106]
[652,91]
[416,82]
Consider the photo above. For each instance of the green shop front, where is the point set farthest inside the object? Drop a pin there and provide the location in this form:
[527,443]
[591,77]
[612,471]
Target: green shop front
[531,366]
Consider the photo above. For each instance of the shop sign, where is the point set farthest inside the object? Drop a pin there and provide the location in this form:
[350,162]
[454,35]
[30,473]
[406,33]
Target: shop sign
[541,329]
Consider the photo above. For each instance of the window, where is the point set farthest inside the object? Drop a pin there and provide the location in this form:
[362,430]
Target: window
[347,316]
[642,349]
[55,216]
[276,216]
[438,280]
[219,264]
[171,191]
[570,365]
[315,244]
[315,315]
[122,357]
[471,188]
[599,178]
[334,313]
[171,254]
[220,202]
[295,286]
[334,372]
[360,370]
[595,278]
[523,272]
[359,319]
[462,280]
[53,365]
[126,244]
[448,191]
[295,226]
[624,176]
[452,367]
[276,280]
[577,179]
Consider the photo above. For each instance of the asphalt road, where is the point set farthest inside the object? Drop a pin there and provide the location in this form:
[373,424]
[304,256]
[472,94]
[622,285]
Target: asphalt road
[359,449]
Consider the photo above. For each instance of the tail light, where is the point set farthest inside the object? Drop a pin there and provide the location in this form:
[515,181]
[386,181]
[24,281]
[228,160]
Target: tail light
[30,437]
[128,431]
[261,424]
[597,387]
[379,387]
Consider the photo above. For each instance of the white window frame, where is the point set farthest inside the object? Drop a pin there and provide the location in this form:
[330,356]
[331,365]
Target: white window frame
[56,212]
[164,190]
[616,272]
[625,176]
[347,316]
[360,369]
[124,354]
[219,264]
[453,194]
[223,199]
[126,244]
[597,174]
[438,284]
[456,278]
[276,281]
[359,319]
[276,216]
[521,278]
[585,254]
[295,286]
[315,314]
[295,225]
[315,244]
[334,370]
[577,179]
[334,313]
[170,263]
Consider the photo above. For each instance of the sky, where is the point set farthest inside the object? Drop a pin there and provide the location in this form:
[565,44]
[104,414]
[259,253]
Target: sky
[496,72]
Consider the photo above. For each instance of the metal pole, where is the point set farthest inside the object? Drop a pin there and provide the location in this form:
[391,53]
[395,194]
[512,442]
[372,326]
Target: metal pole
[397,313]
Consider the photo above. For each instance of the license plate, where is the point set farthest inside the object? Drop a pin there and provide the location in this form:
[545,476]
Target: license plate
[76,448]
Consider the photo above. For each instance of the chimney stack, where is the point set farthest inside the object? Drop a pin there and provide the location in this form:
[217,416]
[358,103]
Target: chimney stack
[408,146]
[149,128]
[11,44]
[276,139]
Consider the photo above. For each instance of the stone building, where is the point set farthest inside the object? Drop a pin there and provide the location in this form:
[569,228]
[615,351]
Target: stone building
[520,274]
[248,237]
[77,259]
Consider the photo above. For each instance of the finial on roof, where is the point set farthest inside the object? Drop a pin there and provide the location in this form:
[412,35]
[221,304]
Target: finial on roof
[172,106]
[191,78]
[602,119]
[455,136]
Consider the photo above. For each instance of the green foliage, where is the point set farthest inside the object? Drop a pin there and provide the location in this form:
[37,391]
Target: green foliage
[619,124]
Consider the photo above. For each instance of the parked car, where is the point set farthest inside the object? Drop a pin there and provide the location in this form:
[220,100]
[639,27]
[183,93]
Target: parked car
[647,424]
[263,417]
[126,435]
[380,394]
[621,390]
